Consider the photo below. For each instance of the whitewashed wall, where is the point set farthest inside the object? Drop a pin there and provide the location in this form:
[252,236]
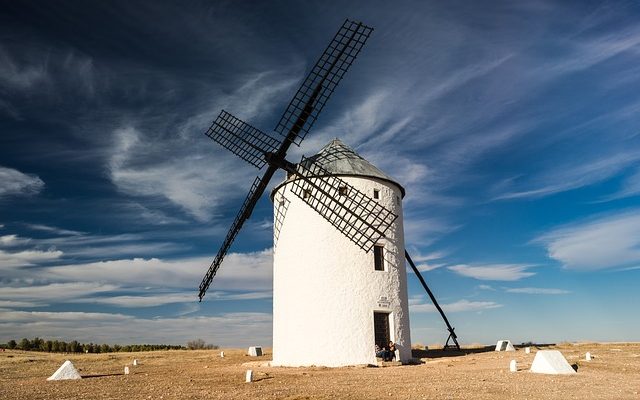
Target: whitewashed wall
[325,288]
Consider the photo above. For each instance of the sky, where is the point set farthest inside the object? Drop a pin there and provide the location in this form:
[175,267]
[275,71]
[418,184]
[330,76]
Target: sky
[513,126]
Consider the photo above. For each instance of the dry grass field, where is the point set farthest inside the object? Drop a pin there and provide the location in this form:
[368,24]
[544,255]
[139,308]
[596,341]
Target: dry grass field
[614,373]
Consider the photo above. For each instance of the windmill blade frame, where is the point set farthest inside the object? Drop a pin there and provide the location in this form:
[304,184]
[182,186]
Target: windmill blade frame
[257,189]
[257,148]
[320,83]
[244,140]
[361,219]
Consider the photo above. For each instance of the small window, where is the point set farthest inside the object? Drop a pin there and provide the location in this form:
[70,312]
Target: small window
[376,194]
[398,200]
[342,190]
[378,257]
[306,194]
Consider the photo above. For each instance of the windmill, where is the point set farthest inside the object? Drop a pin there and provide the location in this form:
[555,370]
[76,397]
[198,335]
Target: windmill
[358,217]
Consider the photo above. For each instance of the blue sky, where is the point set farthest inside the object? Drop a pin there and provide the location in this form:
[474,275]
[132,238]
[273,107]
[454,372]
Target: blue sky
[514,127]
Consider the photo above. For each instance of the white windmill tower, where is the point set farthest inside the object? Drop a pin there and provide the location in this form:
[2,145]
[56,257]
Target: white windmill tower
[332,302]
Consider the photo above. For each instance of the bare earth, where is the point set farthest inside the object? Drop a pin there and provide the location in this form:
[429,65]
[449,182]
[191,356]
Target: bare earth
[614,373]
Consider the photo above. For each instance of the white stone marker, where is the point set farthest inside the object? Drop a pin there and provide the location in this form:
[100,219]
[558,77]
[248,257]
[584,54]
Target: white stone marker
[66,371]
[222,354]
[126,370]
[135,362]
[551,362]
[527,350]
[249,376]
[504,345]
[588,356]
[513,367]
[255,351]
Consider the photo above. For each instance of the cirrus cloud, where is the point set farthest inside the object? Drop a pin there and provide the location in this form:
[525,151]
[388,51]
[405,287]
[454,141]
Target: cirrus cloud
[14,182]
[493,272]
[611,241]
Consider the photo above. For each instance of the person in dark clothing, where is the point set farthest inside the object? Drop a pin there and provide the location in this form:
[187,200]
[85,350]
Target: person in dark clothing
[379,351]
[389,352]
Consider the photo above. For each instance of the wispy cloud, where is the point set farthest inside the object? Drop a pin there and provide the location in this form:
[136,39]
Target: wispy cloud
[534,290]
[14,182]
[84,246]
[611,241]
[26,258]
[13,240]
[14,75]
[493,272]
[424,261]
[422,231]
[189,182]
[53,229]
[573,176]
[240,271]
[458,306]
[52,293]
[594,49]
[630,187]
[135,301]
[187,169]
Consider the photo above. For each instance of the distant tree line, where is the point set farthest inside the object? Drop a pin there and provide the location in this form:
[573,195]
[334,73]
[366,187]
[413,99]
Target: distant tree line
[59,346]
[199,344]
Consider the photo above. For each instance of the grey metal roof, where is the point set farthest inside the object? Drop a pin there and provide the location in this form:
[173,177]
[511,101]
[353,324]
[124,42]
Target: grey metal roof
[340,159]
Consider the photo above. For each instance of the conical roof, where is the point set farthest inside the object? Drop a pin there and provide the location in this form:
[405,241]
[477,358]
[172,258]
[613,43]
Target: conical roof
[341,160]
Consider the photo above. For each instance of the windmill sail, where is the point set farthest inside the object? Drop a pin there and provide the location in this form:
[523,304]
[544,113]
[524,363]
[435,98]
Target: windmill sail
[318,86]
[258,148]
[258,187]
[242,139]
[360,218]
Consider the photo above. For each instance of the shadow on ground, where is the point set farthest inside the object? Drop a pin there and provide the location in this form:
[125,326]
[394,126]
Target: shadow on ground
[99,375]
[453,352]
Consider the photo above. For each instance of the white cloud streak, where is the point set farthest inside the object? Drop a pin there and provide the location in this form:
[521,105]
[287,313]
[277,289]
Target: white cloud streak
[630,187]
[493,272]
[573,176]
[14,182]
[54,292]
[534,290]
[240,271]
[458,306]
[53,229]
[611,241]
[192,172]
[135,301]
[12,241]
[27,258]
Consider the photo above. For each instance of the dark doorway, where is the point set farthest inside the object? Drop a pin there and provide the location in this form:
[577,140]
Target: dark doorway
[381,328]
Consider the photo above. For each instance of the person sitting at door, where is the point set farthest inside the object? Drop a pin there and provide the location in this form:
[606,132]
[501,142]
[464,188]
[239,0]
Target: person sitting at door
[380,352]
[389,352]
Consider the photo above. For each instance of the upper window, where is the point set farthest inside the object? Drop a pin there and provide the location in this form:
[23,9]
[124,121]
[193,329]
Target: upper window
[342,190]
[376,194]
[378,257]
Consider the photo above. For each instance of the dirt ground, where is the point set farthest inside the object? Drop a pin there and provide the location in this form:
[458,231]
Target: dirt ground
[613,373]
